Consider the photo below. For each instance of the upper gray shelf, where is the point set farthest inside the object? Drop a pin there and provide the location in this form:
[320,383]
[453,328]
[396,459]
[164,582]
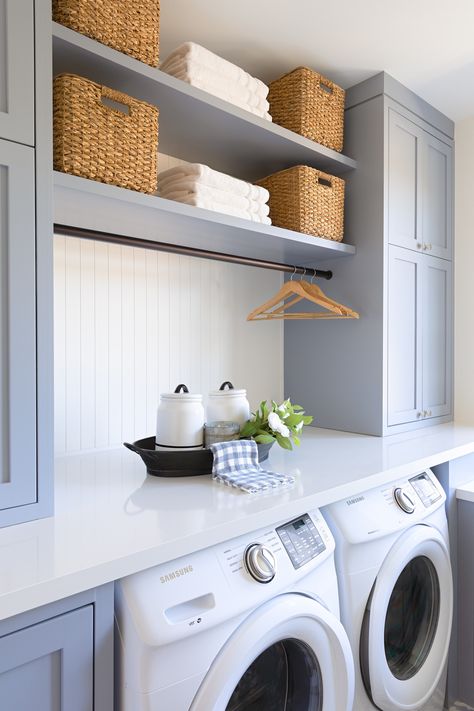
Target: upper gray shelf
[105,208]
[195,125]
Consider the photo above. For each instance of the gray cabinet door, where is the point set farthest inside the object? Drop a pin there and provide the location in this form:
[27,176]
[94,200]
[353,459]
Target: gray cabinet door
[437,336]
[49,666]
[17,71]
[404,395]
[17,327]
[437,200]
[404,176]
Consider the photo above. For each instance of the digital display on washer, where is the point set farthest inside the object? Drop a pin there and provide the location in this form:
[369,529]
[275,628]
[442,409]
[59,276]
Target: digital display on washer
[425,489]
[301,540]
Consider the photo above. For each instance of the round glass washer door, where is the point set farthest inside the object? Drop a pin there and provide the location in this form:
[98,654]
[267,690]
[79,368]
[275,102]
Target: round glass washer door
[291,654]
[407,624]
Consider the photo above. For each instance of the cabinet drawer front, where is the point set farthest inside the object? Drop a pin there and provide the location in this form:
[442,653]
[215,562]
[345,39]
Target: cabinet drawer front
[437,197]
[17,71]
[49,666]
[437,338]
[17,326]
[404,338]
[404,181]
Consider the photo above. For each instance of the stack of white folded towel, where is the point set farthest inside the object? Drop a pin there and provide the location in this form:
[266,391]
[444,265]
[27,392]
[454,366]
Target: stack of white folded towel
[198,185]
[199,67]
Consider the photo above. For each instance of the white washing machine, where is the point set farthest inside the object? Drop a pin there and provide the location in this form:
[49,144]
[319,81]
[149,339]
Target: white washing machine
[396,592]
[248,625]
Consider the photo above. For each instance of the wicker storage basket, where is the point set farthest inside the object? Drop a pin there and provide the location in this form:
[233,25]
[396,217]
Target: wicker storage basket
[97,140]
[307,103]
[130,26]
[306,200]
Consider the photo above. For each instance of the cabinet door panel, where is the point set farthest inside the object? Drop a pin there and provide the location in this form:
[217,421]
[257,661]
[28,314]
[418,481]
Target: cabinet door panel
[17,326]
[404,338]
[437,324]
[437,197]
[404,182]
[49,666]
[17,71]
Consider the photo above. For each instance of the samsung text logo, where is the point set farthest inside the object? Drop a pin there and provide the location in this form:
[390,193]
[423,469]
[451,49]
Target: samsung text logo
[178,573]
[355,500]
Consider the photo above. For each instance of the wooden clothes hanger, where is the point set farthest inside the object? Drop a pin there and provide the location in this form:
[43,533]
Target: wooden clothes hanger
[297,291]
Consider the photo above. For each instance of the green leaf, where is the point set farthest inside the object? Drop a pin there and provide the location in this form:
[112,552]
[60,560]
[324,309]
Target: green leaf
[247,429]
[264,438]
[284,442]
[293,420]
[297,408]
[296,440]
[307,419]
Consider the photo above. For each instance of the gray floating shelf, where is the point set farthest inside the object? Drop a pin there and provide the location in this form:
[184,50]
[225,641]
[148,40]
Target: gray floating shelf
[195,125]
[105,208]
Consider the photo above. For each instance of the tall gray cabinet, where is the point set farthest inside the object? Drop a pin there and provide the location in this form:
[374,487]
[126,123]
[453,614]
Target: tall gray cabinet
[26,465]
[391,370]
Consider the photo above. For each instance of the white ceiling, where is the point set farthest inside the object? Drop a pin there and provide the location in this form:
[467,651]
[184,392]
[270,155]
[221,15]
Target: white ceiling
[426,44]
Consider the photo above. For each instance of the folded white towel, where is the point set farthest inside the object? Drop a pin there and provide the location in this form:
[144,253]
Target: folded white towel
[223,93]
[225,209]
[218,64]
[179,189]
[214,179]
[191,70]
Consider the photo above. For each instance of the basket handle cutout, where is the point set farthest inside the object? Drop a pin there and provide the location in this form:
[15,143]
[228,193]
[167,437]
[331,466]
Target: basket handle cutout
[325,182]
[115,105]
[326,87]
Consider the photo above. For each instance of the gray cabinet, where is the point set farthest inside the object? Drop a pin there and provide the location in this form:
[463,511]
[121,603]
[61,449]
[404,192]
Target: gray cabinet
[17,327]
[26,279]
[59,657]
[419,337]
[49,666]
[404,340]
[419,188]
[17,71]
[391,370]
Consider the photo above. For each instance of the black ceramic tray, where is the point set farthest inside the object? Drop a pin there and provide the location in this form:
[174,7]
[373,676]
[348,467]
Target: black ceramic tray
[193,463]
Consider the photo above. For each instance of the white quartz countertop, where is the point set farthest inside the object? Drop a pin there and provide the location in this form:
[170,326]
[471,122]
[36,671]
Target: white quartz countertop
[112,520]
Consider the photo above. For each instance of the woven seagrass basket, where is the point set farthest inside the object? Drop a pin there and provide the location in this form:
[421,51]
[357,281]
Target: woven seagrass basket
[309,104]
[104,135]
[306,200]
[130,26]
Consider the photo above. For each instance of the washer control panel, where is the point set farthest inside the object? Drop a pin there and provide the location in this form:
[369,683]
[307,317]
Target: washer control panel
[426,489]
[301,540]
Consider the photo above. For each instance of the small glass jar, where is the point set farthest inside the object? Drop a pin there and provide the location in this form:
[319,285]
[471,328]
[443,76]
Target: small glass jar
[223,431]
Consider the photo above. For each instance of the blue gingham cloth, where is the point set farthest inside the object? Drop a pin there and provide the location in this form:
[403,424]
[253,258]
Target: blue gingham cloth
[236,464]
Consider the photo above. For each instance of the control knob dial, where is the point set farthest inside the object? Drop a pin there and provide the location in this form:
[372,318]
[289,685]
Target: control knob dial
[260,563]
[404,500]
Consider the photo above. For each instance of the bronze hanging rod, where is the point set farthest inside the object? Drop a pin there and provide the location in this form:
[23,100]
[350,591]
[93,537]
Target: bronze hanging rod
[124,240]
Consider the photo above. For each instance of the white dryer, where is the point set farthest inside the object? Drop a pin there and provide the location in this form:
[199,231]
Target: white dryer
[248,625]
[396,592]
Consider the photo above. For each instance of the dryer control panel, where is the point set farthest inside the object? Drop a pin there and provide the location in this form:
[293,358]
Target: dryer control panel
[302,540]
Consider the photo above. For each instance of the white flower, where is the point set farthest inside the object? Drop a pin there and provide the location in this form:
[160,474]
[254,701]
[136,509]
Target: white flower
[284,431]
[274,422]
[277,425]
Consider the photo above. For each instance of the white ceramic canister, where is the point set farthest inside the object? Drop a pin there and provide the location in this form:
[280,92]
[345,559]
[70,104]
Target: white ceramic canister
[180,420]
[228,404]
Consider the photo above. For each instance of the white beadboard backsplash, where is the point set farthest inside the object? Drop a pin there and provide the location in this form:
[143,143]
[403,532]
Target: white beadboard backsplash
[132,323]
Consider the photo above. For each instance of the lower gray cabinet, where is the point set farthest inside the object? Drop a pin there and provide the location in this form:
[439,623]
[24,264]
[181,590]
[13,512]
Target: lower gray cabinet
[419,338]
[59,657]
[49,666]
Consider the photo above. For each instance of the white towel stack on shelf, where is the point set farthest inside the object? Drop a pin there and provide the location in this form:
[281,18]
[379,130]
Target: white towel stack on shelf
[201,186]
[199,67]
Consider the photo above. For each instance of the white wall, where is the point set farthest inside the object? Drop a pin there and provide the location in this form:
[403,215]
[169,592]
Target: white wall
[464,273]
[131,323]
